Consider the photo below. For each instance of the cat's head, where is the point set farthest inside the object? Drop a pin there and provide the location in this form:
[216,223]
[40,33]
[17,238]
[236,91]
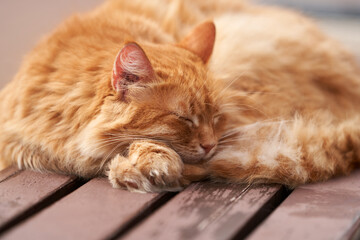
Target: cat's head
[164,93]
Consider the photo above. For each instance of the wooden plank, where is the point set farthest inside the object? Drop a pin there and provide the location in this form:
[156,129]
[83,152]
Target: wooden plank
[27,192]
[326,210]
[206,211]
[94,211]
[354,232]
[8,172]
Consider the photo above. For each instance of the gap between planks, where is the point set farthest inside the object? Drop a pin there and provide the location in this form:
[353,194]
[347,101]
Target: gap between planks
[94,211]
[8,173]
[263,212]
[210,210]
[29,208]
[143,214]
[36,213]
[353,233]
[325,210]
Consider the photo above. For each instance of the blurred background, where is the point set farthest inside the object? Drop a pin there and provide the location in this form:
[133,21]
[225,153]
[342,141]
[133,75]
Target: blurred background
[23,23]
[339,18]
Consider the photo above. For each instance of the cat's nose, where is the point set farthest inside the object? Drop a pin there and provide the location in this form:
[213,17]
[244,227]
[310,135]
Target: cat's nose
[207,147]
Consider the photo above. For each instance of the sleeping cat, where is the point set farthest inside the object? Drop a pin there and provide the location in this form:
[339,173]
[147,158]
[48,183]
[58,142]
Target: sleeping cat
[154,95]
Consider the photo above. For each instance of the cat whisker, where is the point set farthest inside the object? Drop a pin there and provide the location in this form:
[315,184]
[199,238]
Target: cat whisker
[254,108]
[229,135]
[230,84]
[233,109]
[265,123]
[115,139]
[245,94]
[235,131]
[198,91]
[240,107]
[139,137]
[112,151]
[241,139]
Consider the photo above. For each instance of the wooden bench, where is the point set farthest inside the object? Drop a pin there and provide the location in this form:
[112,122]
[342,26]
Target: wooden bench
[49,206]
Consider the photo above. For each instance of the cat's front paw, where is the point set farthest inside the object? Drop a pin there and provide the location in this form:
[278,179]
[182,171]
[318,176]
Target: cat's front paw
[161,165]
[149,168]
[122,174]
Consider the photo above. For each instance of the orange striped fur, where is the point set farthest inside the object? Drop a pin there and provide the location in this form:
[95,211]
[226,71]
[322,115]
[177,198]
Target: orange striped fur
[155,94]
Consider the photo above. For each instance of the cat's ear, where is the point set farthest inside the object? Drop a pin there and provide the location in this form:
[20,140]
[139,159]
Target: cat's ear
[131,66]
[200,40]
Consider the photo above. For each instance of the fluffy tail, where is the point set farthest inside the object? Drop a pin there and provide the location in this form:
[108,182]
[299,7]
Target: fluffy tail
[289,152]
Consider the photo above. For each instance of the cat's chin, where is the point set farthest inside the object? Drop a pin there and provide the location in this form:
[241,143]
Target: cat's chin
[192,159]
[198,160]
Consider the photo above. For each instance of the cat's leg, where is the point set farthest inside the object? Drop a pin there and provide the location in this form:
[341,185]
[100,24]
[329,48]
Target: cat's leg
[290,153]
[14,151]
[149,167]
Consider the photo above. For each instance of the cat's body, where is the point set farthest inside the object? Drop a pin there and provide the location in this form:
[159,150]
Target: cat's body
[276,102]
[301,99]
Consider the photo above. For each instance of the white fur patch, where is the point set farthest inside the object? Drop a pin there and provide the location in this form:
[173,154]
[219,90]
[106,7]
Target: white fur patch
[263,142]
[195,120]
[235,155]
[133,157]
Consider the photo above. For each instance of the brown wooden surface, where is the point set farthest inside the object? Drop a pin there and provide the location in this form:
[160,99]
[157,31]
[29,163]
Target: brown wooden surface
[94,211]
[23,191]
[326,210]
[321,211]
[8,172]
[205,211]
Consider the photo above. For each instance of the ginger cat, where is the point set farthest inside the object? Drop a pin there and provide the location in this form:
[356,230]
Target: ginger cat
[154,95]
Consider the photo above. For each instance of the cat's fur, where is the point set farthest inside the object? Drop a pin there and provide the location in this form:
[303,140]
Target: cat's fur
[126,91]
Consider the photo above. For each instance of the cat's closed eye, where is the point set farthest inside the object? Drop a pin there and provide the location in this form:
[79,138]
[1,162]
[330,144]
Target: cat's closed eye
[187,120]
[216,119]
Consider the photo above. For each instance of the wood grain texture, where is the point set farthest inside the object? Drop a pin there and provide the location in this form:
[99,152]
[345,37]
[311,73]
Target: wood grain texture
[326,210]
[8,172]
[94,211]
[24,190]
[205,211]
